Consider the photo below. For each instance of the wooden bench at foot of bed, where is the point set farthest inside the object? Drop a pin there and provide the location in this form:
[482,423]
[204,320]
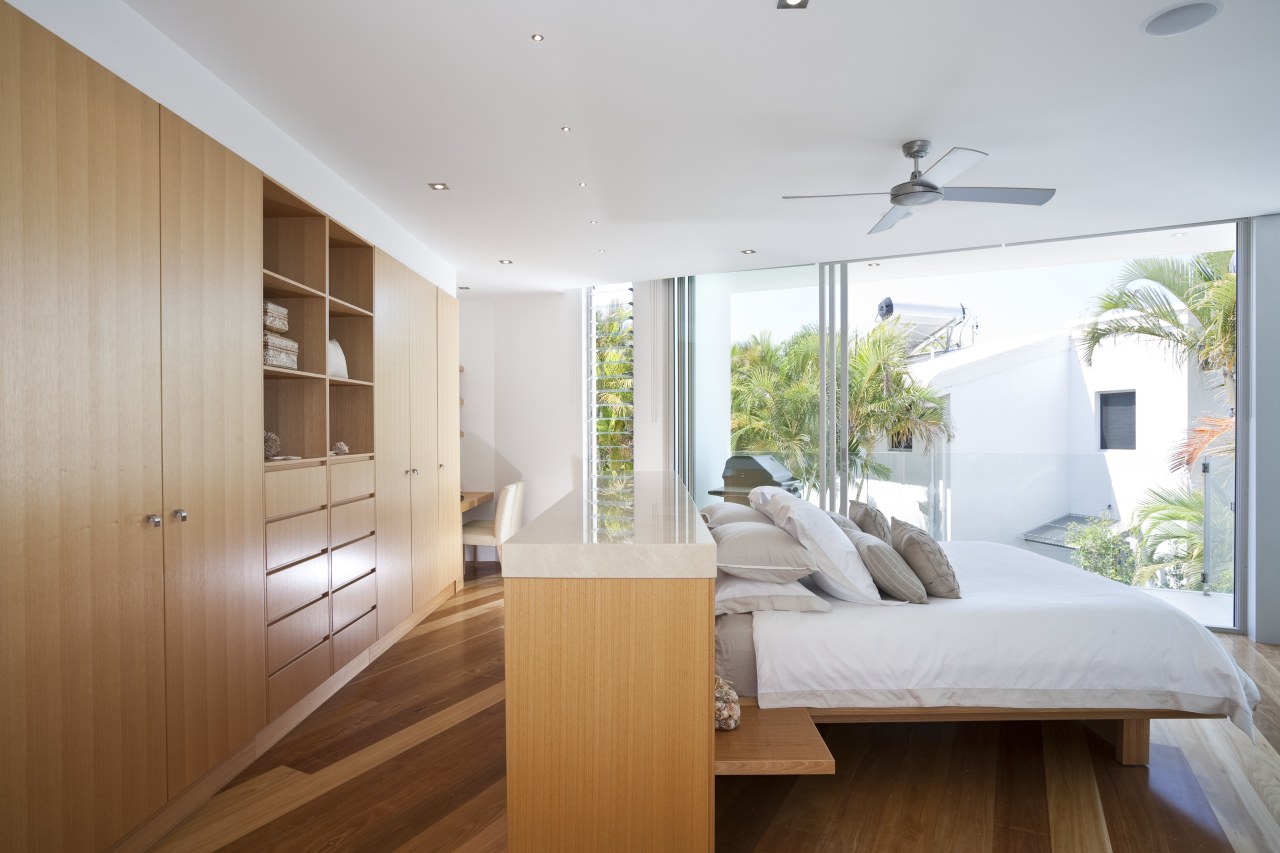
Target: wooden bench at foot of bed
[1128,730]
[786,742]
[773,742]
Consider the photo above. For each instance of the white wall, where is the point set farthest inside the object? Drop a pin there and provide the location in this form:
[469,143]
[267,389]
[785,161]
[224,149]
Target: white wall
[526,392]
[477,354]
[121,40]
[1121,478]
[653,386]
[1263,466]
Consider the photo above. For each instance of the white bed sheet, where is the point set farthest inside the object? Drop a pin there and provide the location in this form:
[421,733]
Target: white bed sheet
[1029,632]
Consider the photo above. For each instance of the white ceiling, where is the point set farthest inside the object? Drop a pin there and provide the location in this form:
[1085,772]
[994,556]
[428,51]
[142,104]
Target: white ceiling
[691,118]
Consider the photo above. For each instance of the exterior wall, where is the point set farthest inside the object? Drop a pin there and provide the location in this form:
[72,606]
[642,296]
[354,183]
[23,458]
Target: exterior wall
[1120,478]
[1026,450]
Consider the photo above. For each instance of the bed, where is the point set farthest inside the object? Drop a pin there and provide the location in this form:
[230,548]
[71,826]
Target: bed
[1031,639]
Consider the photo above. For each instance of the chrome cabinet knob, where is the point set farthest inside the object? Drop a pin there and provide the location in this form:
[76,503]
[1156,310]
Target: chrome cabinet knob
[180,514]
[408,471]
[441,466]
[415,472]
[153,520]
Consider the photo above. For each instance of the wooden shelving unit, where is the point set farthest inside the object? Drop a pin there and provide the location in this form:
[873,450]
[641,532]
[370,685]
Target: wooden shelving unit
[322,274]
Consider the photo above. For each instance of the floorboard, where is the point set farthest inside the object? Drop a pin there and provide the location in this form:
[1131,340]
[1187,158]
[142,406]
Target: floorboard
[409,757]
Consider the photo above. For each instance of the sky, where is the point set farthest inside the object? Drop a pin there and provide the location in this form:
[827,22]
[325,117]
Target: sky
[1003,303]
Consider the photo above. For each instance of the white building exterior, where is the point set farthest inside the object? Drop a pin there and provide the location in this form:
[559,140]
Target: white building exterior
[1027,444]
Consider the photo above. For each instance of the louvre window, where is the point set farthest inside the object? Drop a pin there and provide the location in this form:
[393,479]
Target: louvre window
[1118,420]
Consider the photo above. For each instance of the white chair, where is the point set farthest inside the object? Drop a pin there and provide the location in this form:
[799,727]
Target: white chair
[506,521]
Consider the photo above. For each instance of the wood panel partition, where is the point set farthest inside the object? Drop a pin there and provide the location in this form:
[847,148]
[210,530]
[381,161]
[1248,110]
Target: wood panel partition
[82,706]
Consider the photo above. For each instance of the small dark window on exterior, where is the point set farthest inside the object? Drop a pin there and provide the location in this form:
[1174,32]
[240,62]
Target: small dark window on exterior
[896,443]
[1118,420]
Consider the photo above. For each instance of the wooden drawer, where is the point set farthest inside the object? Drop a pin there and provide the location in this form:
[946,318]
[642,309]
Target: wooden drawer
[296,633]
[354,639]
[294,538]
[289,589]
[350,480]
[294,490]
[289,685]
[352,521]
[352,561]
[355,600]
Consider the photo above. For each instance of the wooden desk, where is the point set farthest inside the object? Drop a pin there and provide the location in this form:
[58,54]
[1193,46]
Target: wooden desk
[471,500]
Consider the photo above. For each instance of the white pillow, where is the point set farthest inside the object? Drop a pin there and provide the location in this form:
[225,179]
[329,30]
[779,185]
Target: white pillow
[718,515]
[761,552]
[739,595]
[841,570]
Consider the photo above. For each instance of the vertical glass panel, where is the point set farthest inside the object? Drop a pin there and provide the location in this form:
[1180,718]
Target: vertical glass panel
[755,380]
[1089,392]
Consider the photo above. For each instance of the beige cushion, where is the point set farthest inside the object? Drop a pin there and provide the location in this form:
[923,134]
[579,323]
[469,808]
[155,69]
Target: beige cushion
[891,573]
[869,520]
[718,515]
[926,558]
[761,552]
[740,595]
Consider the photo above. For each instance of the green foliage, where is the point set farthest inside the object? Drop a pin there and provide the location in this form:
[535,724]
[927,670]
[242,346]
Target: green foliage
[1185,307]
[614,389]
[1171,548]
[775,403]
[1102,550]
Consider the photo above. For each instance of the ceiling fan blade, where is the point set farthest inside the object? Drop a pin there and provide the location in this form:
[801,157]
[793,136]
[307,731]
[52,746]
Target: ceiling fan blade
[890,219]
[833,195]
[953,164]
[997,195]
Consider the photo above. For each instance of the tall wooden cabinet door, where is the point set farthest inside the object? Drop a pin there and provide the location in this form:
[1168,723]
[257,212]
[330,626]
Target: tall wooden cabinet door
[426,495]
[393,463]
[448,434]
[82,756]
[215,592]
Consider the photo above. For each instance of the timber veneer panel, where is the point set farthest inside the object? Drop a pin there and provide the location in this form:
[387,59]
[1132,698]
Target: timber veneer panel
[352,561]
[290,588]
[587,764]
[82,706]
[394,461]
[295,490]
[448,441]
[296,538]
[211,250]
[424,378]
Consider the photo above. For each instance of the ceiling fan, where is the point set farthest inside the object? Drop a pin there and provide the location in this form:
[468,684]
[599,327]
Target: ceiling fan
[930,186]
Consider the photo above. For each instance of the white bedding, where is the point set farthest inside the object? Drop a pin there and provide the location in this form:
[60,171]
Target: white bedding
[1029,632]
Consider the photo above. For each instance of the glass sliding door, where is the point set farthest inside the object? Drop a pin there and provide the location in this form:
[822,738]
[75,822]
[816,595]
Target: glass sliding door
[1087,389]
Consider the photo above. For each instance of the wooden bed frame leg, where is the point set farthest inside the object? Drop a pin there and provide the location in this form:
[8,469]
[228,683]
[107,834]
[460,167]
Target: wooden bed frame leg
[1133,741]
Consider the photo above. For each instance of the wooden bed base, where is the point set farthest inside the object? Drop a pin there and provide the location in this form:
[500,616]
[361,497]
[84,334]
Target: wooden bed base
[1128,730]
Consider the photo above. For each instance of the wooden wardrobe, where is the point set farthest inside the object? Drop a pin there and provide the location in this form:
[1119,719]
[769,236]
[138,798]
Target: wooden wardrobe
[135,597]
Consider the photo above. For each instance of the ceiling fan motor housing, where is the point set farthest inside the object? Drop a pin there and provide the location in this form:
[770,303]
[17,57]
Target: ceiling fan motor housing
[915,193]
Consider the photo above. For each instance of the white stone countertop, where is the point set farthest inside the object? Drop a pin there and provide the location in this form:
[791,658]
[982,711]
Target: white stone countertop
[645,526]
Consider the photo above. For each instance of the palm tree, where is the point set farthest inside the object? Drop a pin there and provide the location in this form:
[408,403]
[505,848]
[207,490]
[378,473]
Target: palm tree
[775,402]
[613,391]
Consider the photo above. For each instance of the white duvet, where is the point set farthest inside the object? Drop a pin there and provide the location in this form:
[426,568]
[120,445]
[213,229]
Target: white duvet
[1029,632]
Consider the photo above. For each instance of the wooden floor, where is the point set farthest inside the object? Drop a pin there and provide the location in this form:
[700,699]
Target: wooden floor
[410,757]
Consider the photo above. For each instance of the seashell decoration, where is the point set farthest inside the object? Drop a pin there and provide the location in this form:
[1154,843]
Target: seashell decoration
[728,711]
[341,449]
[270,445]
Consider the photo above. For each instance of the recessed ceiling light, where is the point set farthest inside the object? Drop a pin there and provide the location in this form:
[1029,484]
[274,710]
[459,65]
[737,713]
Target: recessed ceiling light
[566,129]
[1181,18]
[873,264]
[1178,234]
[438,186]
[536,36]
[463,287]
[582,183]
[792,4]
[600,251]
[593,222]
[748,251]
[505,261]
